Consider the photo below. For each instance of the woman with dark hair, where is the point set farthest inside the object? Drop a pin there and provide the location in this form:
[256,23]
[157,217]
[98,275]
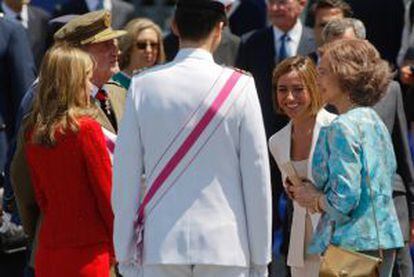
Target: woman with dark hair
[354,163]
[296,94]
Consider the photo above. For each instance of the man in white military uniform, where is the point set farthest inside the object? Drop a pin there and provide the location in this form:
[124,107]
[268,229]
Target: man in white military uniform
[195,130]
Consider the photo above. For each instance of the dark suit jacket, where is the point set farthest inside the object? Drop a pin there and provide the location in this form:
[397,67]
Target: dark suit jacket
[122,12]
[225,54]
[390,109]
[257,55]
[38,32]
[249,15]
[17,72]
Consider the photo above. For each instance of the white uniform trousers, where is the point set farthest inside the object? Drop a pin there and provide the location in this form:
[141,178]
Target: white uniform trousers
[161,270]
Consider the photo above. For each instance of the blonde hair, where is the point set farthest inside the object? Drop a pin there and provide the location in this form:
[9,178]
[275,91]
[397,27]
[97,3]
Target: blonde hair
[306,70]
[127,42]
[62,94]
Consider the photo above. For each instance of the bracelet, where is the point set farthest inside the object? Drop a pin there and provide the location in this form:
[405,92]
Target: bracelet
[320,206]
[317,205]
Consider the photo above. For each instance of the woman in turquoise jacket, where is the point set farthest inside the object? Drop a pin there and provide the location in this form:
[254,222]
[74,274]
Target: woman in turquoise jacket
[353,154]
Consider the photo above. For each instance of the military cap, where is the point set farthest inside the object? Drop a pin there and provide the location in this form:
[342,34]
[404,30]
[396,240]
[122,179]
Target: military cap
[92,27]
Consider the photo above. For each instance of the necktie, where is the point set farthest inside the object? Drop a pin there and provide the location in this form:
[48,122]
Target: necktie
[99,6]
[102,97]
[283,49]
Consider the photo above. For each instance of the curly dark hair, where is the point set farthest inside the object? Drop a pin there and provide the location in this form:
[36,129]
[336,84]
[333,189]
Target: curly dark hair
[361,72]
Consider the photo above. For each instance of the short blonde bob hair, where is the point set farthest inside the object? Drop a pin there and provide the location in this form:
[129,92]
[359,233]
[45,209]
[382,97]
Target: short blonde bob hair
[127,42]
[360,71]
[306,70]
[62,94]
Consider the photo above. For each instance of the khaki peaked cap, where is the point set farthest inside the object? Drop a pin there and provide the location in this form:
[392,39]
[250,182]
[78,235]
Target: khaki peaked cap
[92,27]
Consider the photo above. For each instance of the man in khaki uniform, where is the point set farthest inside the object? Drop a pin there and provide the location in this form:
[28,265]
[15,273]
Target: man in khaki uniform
[92,33]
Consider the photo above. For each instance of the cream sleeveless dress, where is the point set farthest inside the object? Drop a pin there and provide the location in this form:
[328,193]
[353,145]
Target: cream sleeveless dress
[311,262]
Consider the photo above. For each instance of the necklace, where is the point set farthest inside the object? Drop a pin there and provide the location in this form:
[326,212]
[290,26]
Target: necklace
[304,131]
[304,134]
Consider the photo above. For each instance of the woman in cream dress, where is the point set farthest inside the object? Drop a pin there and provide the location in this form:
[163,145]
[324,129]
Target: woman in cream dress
[296,95]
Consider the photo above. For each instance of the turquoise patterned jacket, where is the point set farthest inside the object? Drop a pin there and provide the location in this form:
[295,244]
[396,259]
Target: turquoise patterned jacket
[355,145]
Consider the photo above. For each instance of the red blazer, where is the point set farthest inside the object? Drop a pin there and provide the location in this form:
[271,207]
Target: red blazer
[72,184]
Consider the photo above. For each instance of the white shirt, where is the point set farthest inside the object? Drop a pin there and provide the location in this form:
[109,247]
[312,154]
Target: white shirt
[92,4]
[10,14]
[292,44]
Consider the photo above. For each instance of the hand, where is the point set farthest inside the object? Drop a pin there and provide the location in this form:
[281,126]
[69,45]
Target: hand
[288,188]
[406,76]
[306,195]
[411,231]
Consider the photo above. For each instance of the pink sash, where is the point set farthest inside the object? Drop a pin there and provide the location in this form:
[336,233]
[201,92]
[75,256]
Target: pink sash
[177,157]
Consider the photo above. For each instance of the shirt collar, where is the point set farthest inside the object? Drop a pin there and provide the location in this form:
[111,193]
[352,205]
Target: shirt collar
[194,53]
[294,34]
[10,14]
[107,4]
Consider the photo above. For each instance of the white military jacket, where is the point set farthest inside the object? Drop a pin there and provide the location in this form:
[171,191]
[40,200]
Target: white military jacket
[216,209]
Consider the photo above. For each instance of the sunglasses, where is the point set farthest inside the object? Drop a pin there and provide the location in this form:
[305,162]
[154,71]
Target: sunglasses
[144,44]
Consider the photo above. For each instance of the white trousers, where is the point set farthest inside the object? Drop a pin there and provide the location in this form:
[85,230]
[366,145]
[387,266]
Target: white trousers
[193,271]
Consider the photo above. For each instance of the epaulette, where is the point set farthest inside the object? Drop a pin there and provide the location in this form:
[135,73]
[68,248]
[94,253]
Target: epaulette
[241,71]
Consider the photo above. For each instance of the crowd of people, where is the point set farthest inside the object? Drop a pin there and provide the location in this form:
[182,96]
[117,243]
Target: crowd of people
[225,147]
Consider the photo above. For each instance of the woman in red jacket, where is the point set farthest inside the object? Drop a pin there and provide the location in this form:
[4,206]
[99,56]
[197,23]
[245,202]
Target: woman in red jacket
[70,170]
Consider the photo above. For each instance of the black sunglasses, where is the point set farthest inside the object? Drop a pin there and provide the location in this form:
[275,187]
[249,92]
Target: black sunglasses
[143,45]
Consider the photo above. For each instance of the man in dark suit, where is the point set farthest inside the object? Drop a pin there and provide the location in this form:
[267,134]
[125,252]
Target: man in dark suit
[34,20]
[259,53]
[17,72]
[122,12]
[391,110]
